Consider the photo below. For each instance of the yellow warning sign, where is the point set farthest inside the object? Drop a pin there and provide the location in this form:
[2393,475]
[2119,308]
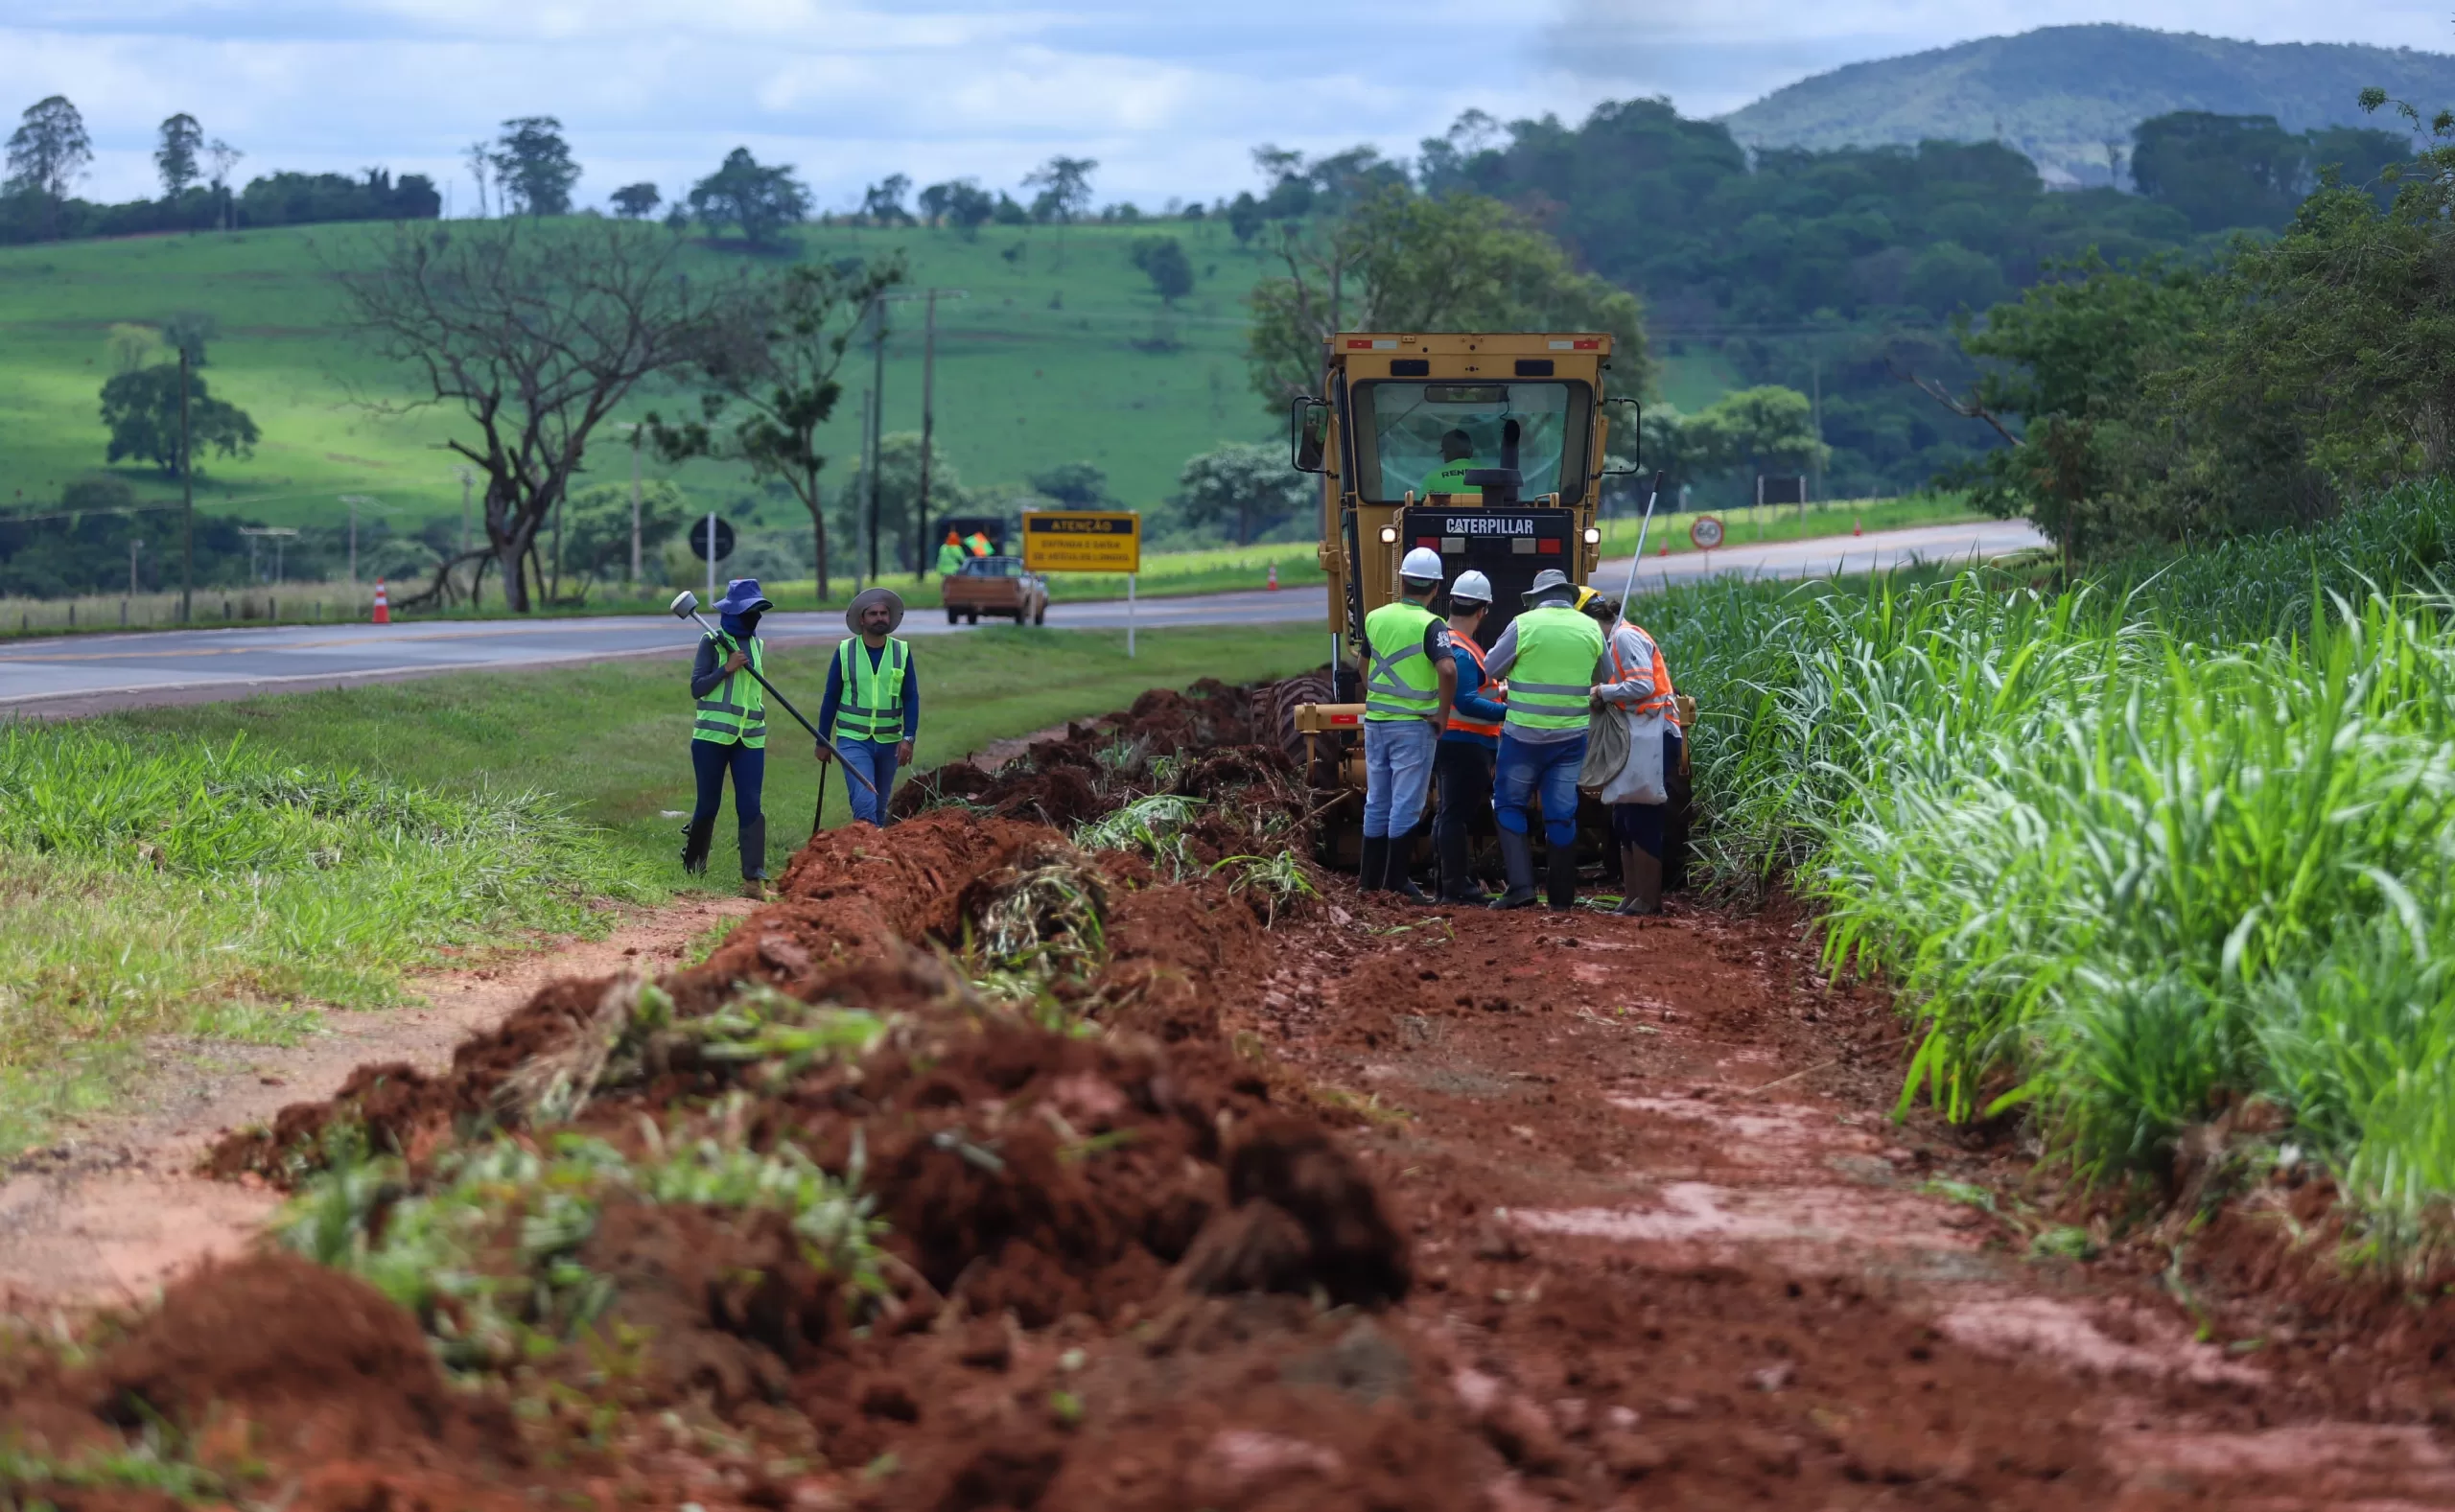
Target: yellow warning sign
[1082,540]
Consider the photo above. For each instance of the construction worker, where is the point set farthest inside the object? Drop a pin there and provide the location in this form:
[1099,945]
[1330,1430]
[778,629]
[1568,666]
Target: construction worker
[1456,460]
[1636,681]
[979,543]
[1548,656]
[1410,679]
[1463,761]
[873,704]
[951,555]
[730,734]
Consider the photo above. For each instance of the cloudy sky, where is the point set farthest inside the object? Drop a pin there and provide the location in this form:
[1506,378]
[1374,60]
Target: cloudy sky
[1168,97]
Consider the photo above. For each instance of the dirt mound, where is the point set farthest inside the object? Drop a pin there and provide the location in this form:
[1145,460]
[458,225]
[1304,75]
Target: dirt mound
[319,1363]
[1210,742]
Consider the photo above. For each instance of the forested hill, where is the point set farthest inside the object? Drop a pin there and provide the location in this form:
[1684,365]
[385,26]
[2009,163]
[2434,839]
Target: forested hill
[2060,94]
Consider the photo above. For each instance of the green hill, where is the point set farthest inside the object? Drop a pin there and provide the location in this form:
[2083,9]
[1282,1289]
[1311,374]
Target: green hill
[2061,93]
[1060,353]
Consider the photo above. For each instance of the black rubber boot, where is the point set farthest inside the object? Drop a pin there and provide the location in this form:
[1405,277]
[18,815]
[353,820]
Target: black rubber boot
[1376,861]
[696,836]
[1641,881]
[1559,876]
[1394,873]
[1458,883]
[1517,855]
[754,857]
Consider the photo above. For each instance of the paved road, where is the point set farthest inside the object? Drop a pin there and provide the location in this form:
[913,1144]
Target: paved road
[61,677]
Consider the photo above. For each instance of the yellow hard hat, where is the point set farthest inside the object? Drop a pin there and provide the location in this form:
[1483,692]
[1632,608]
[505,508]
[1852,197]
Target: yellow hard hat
[1586,596]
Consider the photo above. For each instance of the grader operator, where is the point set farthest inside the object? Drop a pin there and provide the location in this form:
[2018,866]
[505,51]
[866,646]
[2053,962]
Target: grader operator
[1488,449]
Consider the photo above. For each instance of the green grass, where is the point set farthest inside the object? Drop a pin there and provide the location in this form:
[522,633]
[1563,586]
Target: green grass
[2131,852]
[229,869]
[1060,354]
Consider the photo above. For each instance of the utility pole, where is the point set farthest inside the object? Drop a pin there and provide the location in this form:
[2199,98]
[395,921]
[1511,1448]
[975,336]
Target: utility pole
[878,418]
[634,579]
[853,505]
[1816,411]
[920,555]
[133,546]
[356,499]
[187,495]
[928,430]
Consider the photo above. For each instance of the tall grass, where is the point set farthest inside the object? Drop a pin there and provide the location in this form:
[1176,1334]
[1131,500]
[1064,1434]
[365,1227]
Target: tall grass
[161,885]
[2128,853]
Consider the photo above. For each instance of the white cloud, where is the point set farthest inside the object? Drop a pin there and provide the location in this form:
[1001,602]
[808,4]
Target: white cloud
[1168,98]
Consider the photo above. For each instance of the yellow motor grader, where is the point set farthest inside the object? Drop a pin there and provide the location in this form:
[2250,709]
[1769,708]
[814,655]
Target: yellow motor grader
[1535,410]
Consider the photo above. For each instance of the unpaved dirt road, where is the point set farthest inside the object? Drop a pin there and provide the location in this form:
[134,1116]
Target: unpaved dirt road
[106,1214]
[1354,1206]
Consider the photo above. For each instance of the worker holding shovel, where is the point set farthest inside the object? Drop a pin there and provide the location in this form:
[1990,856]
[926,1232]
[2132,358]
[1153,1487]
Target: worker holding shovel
[730,734]
[873,702]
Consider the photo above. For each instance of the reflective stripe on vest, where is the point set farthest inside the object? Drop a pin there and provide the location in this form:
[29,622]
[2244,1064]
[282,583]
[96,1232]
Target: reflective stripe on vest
[873,706]
[1457,721]
[1401,682]
[735,709]
[1664,702]
[1551,681]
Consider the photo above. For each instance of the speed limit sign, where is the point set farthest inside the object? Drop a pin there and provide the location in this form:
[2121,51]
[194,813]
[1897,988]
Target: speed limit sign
[1706,533]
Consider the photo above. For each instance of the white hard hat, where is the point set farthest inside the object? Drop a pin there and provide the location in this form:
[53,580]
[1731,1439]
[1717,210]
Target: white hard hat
[1471,587]
[1422,564]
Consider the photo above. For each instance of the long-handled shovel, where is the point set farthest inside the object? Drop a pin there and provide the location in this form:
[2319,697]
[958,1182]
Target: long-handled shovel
[818,815]
[685,606]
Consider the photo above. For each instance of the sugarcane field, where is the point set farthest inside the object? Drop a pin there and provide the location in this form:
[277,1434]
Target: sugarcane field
[1582,758]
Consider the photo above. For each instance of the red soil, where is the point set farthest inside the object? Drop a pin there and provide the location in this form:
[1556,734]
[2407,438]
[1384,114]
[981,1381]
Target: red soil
[1374,1208]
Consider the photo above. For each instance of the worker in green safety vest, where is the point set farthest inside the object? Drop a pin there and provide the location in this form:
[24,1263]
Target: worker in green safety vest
[1456,460]
[1409,684]
[951,555]
[1552,657]
[729,735]
[872,705]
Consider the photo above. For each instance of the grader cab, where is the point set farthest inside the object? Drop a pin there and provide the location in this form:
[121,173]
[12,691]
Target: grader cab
[1489,448]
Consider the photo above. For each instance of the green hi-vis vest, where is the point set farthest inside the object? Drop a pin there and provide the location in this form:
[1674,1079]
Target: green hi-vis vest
[1553,678]
[736,710]
[873,706]
[949,559]
[1401,682]
[1450,477]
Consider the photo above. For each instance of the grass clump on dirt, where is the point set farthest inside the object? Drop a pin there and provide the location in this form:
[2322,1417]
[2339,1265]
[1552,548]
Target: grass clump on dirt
[2133,859]
[150,886]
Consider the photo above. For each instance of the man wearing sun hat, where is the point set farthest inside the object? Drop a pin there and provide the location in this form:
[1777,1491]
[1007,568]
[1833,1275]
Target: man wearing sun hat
[873,706]
[729,733]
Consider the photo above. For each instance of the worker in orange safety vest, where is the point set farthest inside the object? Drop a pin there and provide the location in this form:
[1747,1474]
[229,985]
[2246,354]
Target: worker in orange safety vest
[1463,761]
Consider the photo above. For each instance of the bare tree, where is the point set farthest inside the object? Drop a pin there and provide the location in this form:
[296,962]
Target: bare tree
[537,337]
[766,394]
[223,157]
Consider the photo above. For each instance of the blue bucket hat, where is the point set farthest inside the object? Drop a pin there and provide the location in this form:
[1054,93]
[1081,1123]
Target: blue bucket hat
[742,596]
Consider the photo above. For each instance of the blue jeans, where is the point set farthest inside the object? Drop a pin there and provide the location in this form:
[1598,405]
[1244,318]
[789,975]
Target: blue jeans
[710,761]
[875,760]
[1548,768]
[1397,774]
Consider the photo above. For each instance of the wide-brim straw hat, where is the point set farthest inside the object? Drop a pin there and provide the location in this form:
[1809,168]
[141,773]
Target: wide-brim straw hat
[863,600]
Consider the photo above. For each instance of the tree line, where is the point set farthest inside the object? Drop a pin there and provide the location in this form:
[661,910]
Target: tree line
[2170,399]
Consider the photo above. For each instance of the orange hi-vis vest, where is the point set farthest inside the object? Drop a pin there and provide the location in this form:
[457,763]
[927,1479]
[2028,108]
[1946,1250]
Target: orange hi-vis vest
[1457,721]
[1664,702]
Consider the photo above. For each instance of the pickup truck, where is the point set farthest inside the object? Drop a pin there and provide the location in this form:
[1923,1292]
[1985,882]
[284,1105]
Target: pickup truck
[994,584]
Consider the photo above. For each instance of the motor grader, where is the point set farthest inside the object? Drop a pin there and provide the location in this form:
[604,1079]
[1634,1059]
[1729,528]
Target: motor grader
[1533,406]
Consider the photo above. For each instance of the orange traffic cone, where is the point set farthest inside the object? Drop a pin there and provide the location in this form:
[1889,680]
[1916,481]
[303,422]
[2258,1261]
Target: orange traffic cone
[1665,551]
[1858,526]
[382,605]
[1274,577]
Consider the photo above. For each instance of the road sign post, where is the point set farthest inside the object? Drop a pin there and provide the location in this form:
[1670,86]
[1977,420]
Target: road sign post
[1086,541]
[712,542]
